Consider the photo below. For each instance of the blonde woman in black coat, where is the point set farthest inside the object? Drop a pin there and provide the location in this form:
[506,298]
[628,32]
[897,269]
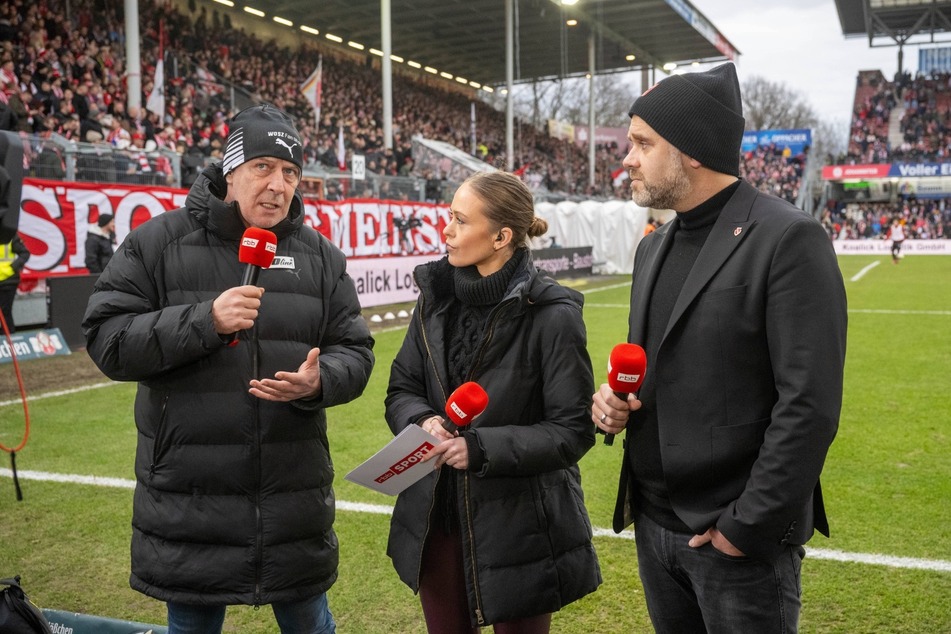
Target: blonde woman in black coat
[498,534]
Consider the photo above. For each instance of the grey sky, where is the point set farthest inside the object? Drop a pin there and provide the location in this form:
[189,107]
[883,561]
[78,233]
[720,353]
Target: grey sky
[800,43]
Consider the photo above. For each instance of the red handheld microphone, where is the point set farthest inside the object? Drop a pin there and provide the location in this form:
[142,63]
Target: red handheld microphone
[626,367]
[464,405]
[257,250]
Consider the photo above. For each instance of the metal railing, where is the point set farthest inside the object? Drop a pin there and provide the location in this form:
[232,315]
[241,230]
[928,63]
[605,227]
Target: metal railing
[55,157]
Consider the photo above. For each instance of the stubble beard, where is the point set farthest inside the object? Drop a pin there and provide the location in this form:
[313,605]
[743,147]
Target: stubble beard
[668,191]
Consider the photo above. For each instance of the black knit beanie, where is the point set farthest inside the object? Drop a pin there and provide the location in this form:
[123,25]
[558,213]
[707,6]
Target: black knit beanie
[701,114]
[262,130]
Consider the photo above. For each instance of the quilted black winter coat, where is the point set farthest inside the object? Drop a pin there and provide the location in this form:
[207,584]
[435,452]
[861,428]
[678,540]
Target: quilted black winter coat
[526,534]
[234,500]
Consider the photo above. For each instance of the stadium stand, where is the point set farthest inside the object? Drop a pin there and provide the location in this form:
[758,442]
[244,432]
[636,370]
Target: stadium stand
[773,170]
[923,219]
[62,79]
[874,101]
[62,87]
[906,120]
[72,71]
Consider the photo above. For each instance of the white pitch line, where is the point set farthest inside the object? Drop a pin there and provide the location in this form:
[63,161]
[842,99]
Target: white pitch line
[868,311]
[936,565]
[75,390]
[889,561]
[363,507]
[888,311]
[605,288]
[861,274]
[43,476]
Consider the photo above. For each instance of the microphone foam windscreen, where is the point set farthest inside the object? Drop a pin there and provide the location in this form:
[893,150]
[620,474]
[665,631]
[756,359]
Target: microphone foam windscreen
[626,367]
[466,402]
[258,247]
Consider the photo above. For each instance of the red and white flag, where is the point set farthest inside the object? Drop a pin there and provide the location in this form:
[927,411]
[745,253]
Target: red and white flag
[341,151]
[156,100]
[311,89]
[618,176]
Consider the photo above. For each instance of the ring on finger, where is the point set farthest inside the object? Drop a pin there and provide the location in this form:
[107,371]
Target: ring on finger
[603,416]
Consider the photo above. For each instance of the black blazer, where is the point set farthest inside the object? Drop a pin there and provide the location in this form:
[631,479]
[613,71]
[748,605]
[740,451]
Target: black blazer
[748,374]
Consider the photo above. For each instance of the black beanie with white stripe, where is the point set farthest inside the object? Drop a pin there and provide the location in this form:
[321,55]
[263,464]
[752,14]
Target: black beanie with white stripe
[700,114]
[262,130]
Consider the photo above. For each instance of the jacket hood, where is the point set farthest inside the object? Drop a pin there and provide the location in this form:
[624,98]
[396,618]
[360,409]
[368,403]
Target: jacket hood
[206,203]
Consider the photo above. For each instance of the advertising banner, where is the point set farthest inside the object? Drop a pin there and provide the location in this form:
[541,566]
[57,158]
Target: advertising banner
[883,247]
[900,172]
[929,187]
[62,622]
[33,344]
[382,281]
[564,262]
[56,215]
[795,141]
[840,172]
[383,240]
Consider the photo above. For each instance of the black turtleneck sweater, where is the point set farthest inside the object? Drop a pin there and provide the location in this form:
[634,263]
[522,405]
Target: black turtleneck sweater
[643,447]
[475,297]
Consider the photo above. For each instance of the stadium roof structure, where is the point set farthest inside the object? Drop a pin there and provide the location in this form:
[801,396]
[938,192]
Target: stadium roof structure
[468,38]
[896,22]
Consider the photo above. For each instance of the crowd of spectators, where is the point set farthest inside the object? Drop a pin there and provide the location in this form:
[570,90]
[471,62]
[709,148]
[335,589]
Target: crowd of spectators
[874,100]
[923,103]
[926,122]
[774,170]
[67,76]
[923,219]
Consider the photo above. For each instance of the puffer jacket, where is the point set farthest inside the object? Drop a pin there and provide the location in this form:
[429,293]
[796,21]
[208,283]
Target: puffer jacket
[525,531]
[234,500]
[98,249]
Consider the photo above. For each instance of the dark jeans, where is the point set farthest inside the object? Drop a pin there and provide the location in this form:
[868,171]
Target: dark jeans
[311,616]
[703,590]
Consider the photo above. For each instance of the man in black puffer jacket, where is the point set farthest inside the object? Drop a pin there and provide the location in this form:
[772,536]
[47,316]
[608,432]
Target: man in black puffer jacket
[99,239]
[234,501]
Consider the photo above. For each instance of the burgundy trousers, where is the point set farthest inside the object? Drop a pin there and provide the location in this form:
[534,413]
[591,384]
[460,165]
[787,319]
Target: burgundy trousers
[442,591]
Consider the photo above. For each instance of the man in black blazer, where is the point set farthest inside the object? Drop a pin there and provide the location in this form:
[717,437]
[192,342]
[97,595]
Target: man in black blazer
[740,306]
